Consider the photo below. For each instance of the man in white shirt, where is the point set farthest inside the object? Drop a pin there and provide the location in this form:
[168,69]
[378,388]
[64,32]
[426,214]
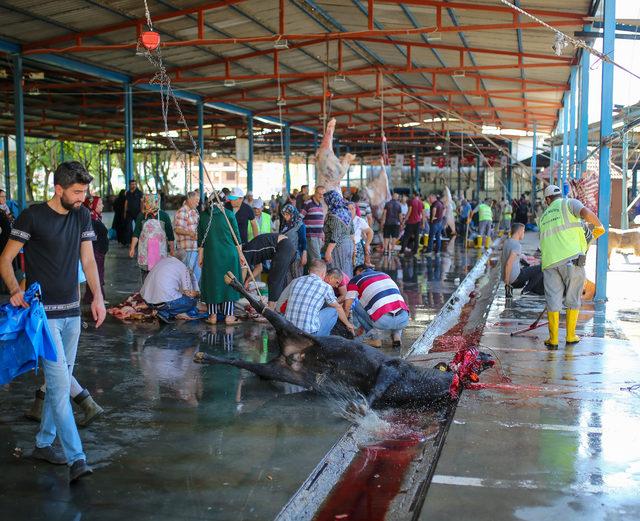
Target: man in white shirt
[172,289]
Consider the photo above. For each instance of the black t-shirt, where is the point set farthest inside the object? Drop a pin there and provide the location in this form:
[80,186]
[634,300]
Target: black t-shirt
[134,202]
[260,249]
[243,216]
[52,252]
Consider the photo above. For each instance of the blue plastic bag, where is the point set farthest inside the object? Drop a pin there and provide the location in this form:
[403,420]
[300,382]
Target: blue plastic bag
[24,336]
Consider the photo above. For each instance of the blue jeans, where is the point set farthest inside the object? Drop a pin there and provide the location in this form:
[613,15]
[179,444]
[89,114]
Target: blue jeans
[191,262]
[328,317]
[57,414]
[387,322]
[435,232]
[183,304]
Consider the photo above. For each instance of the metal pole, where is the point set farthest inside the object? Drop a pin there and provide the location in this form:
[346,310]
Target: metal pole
[565,144]
[315,154]
[478,185]
[18,104]
[7,167]
[583,135]
[250,155]
[348,172]
[572,126]
[186,173]
[128,134]
[108,157]
[606,128]
[201,149]
[624,215]
[306,167]
[362,172]
[62,151]
[534,165]
[416,163]
[634,184]
[510,173]
[287,155]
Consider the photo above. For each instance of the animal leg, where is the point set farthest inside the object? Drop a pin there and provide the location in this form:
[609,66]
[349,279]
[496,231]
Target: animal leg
[387,374]
[274,370]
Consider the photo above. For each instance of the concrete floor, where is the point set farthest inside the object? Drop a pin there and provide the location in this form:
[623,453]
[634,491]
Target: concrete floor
[180,440]
[562,440]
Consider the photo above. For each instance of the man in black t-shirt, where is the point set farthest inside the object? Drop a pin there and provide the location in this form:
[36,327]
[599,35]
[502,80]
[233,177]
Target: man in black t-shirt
[132,207]
[243,212]
[55,235]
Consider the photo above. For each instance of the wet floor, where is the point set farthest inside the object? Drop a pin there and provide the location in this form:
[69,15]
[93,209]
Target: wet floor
[562,439]
[185,441]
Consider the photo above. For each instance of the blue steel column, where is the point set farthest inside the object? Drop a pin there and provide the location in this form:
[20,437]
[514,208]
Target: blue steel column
[606,128]
[571,159]
[416,176]
[583,135]
[108,158]
[565,144]
[250,156]
[7,167]
[128,134]
[18,103]
[62,158]
[634,184]
[287,155]
[201,149]
[362,172]
[348,150]
[315,155]
[534,165]
[478,185]
[509,173]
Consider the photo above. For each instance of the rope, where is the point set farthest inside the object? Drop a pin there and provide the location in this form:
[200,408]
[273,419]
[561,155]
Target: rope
[562,38]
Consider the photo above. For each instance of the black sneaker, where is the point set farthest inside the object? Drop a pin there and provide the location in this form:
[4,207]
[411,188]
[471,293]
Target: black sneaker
[50,455]
[78,470]
[396,344]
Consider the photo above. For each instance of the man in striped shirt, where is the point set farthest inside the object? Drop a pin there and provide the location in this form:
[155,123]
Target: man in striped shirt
[380,306]
[313,214]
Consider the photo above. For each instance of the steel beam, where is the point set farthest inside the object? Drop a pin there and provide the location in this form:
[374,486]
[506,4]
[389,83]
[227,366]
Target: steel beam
[287,156]
[606,129]
[565,146]
[128,134]
[18,109]
[201,149]
[583,113]
[250,157]
[7,166]
[534,165]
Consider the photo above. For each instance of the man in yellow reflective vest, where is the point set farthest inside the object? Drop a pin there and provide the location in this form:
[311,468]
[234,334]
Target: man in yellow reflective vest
[564,247]
[263,219]
[485,219]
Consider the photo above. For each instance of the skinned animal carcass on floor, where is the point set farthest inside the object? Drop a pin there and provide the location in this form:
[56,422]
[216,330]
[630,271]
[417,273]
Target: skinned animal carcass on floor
[333,364]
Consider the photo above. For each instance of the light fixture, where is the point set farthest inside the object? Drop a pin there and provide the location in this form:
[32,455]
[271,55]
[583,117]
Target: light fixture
[351,126]
[281,44]
[376,99]
[82,124]
[229,82]
[458,74]
[438,147]
[3,74]
[281,102]
[340,78]
[35,75]
[434,36]
[214,154]
[34,92]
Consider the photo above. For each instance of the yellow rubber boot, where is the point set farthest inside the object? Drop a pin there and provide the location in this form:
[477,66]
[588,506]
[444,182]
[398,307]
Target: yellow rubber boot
[572,322]
[554,325]
[479,242]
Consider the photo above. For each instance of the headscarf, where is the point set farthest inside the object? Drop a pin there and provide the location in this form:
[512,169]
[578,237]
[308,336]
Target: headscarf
[296,218]
[150,204]
[338,206]
[91,202]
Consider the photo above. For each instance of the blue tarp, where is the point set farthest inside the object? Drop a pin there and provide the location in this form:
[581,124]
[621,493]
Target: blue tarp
[24,336]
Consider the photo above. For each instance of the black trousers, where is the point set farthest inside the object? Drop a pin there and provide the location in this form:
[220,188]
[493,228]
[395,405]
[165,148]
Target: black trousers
[411,231]
[530,280]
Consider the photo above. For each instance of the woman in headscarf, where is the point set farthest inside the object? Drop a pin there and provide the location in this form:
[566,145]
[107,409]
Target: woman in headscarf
[338,231]
[118,217]
[218,254]
[101,244]
[296,232]
[153,235]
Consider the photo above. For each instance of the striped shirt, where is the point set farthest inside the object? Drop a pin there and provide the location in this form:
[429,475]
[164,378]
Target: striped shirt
[305,297]
[377,292]
[313,214]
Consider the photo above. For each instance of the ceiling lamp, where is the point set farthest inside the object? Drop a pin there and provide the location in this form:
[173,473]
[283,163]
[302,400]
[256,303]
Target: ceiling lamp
[281,44]
[340,78]
[281,102]
[229,82]
[458,74]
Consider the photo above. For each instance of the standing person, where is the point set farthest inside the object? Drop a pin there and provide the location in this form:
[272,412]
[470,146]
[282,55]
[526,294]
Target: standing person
[296,231]
[379,306]
[263,219]
[118,223]
[521,208]
[465,210]
[217,254]
[412,228]
[132,208]
[302,197]
[564,247]
[507,213]
[101,243]
[311,303]
[338,231]
[485,218]
[56,235]
[243,213]
[362,238]
[391,218]
[185,228]
[153,235]
[363,205]
[436,222]
[313,215]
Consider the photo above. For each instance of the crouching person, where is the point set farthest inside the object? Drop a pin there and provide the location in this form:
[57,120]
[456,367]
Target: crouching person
[380,306]
[529,278]
[172,289]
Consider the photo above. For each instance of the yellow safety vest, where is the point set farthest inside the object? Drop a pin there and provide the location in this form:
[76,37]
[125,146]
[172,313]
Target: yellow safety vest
[427,206]
[506,212]
[265,226]
[484,212]
[561,234]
